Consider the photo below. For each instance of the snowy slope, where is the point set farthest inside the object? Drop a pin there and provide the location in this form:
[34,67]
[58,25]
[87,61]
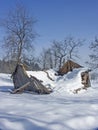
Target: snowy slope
[60,110]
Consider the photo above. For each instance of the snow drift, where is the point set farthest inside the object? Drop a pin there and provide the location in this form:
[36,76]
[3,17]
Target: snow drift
[60,110]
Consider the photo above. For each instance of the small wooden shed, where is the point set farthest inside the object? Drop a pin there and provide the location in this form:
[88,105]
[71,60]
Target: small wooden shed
[22,82]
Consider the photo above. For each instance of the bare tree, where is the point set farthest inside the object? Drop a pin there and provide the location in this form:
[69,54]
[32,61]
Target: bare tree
[46,60]
[73,47]
[19,32]
[65,50]
[59,52]
[49,58]
[94,54]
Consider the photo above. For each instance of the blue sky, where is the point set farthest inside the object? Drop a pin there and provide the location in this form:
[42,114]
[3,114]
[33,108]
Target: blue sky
[58,19]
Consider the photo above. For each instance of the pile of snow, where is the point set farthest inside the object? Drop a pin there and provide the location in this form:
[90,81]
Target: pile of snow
[60,110]
[62,84]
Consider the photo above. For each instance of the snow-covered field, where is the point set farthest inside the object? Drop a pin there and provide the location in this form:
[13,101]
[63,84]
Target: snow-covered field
[60,110]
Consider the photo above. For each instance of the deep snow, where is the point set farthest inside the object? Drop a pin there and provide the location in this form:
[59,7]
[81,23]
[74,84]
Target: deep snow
[60,110]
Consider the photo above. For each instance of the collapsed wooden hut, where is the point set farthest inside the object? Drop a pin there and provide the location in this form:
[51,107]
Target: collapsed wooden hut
[68,66]
[22,82]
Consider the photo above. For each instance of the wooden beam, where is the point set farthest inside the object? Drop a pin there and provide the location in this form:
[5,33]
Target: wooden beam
[21,89]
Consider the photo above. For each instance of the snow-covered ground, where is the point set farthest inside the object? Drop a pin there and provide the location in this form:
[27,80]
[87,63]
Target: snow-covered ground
[60,110]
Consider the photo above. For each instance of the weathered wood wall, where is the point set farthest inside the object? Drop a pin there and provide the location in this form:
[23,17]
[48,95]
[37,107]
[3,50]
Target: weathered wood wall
[23,82]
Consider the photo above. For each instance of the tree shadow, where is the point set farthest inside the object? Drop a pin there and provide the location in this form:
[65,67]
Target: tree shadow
[95,129]
[21,122]
[6,88]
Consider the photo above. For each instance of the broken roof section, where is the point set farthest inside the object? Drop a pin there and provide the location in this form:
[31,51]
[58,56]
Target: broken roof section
[22,82]
[68,66]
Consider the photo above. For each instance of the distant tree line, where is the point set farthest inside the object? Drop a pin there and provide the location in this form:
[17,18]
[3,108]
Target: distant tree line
[9,66]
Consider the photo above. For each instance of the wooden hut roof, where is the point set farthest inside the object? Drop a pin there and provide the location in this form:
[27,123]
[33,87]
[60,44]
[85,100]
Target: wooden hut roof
[68,66]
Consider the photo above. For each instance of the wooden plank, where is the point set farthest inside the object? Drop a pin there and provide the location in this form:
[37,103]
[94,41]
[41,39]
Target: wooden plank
[41,89]
[21,89]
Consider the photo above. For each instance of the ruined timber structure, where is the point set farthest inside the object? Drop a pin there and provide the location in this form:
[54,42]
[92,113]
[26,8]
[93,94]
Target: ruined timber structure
[22,82]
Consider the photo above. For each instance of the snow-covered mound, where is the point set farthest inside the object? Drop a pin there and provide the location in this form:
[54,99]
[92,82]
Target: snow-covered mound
[67,83]
[56,111]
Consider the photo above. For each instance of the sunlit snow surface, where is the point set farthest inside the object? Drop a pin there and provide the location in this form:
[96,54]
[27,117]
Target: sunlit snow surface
[60,110]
